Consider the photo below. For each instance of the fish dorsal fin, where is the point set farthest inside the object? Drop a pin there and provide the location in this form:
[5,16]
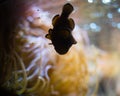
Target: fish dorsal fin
[48,36]
[67,10]
[72,24]
[55,19]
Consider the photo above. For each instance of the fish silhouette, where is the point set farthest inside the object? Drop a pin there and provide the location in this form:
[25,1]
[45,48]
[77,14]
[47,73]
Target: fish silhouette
[61,34]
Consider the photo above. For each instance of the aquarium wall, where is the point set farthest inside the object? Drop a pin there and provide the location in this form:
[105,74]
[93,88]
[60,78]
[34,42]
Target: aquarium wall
[59,48]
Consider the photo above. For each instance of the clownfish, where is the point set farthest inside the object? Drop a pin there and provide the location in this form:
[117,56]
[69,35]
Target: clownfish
[61,34]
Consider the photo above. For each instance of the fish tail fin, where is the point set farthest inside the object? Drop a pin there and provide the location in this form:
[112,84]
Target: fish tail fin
[67,9]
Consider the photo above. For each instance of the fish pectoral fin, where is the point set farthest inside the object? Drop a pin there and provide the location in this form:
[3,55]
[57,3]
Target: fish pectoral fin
[73,40]
[50,31]
[50,43]
[72,23]
[55,19]
[48,36]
